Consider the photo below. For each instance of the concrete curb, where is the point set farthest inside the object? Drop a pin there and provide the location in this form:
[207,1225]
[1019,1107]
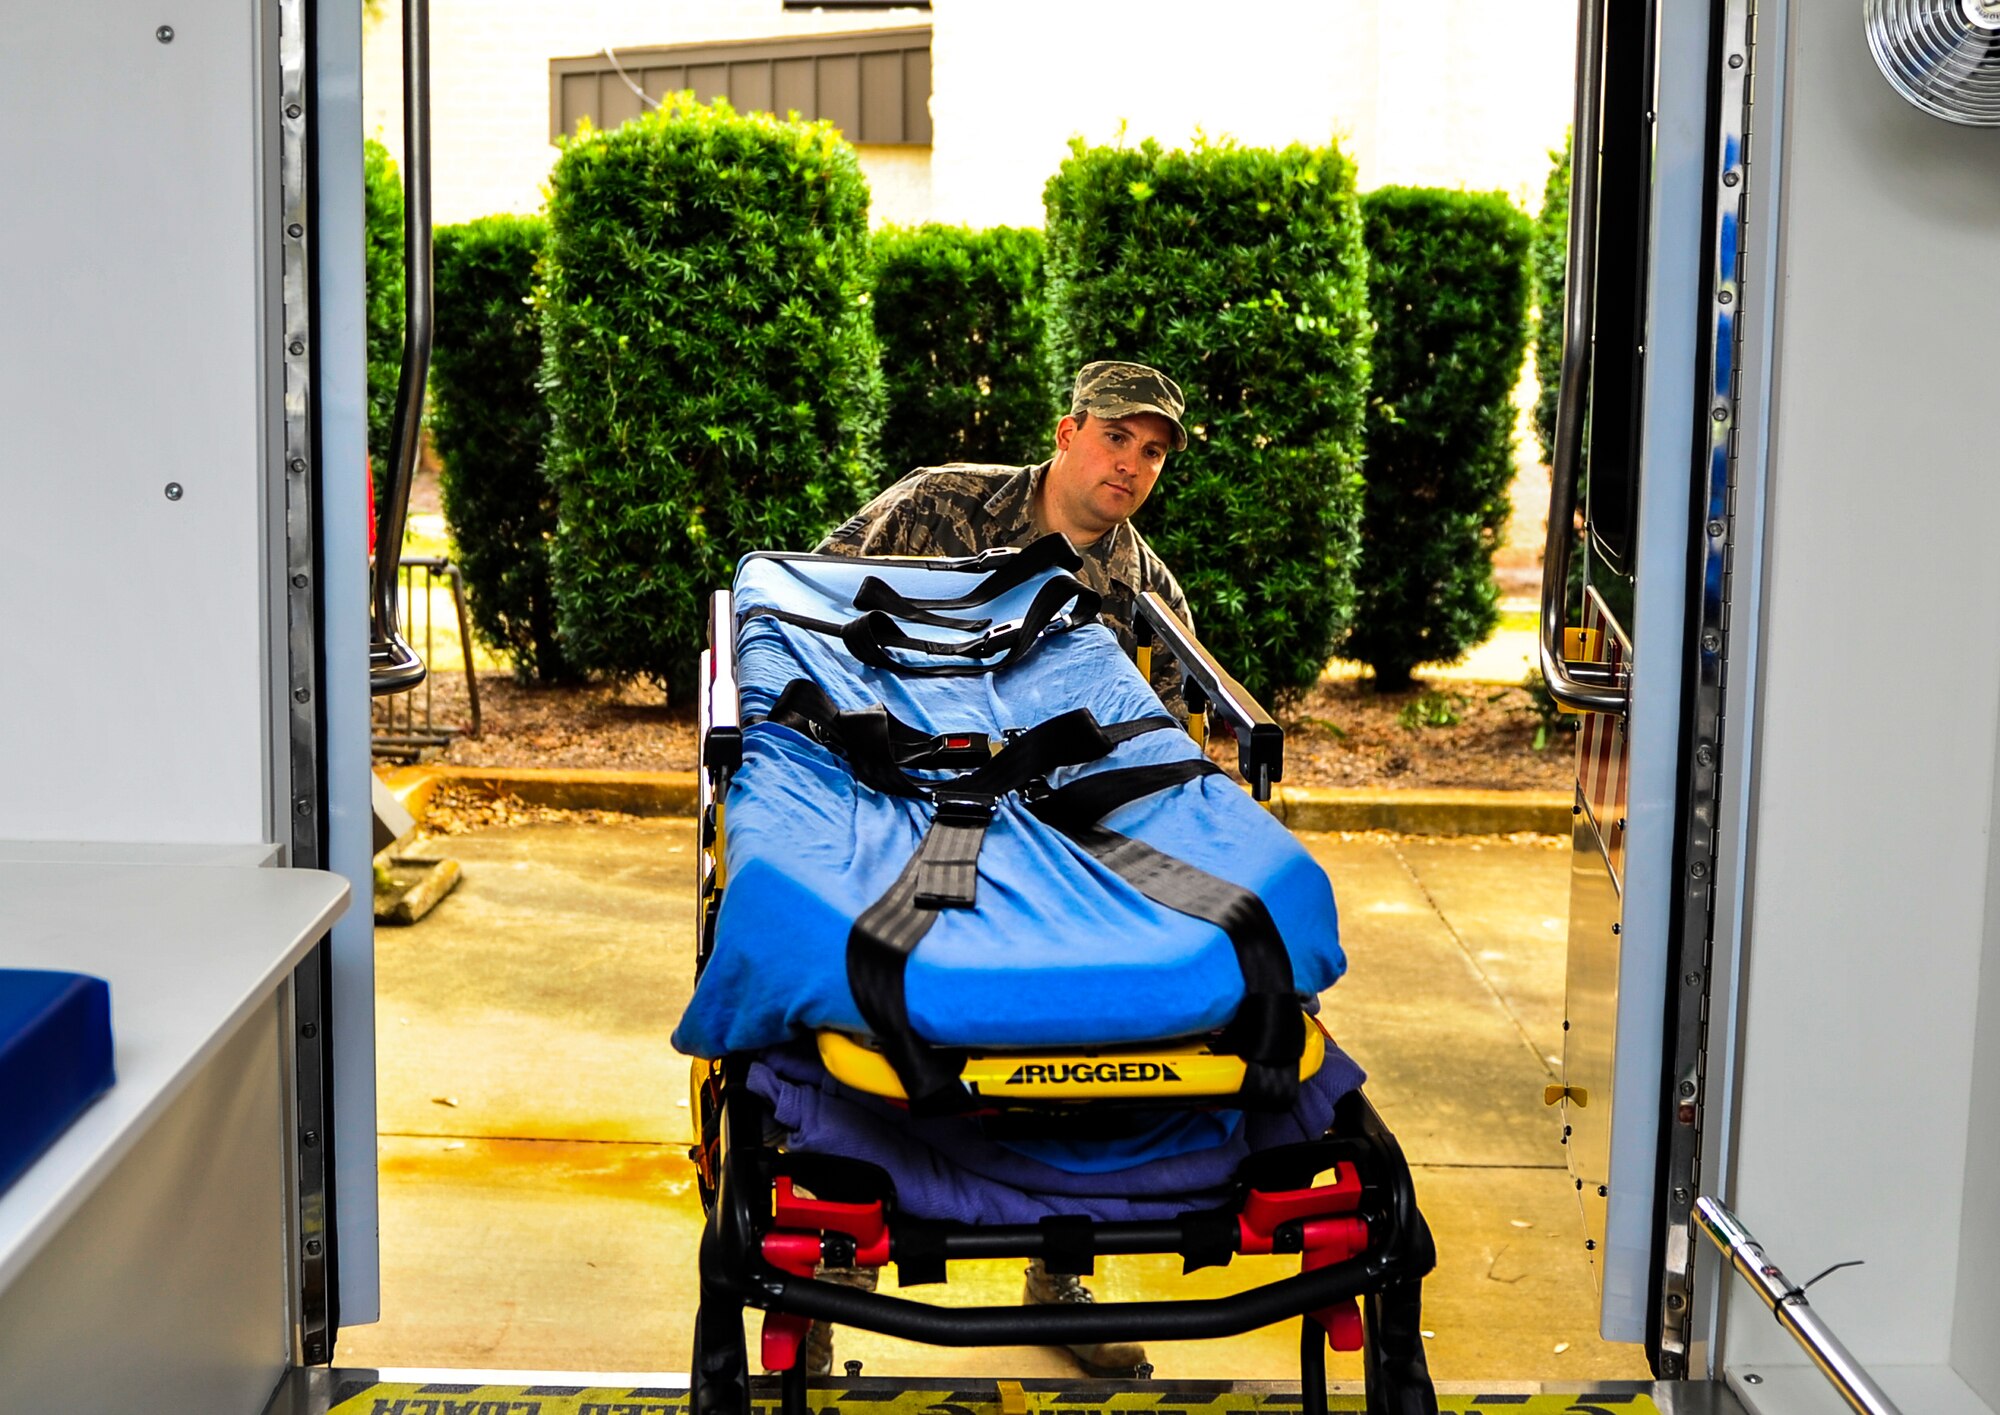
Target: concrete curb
[672,793]
[1434,811]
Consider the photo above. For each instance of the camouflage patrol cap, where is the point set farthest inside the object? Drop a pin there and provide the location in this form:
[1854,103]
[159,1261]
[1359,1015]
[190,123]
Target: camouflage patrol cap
[1112,388]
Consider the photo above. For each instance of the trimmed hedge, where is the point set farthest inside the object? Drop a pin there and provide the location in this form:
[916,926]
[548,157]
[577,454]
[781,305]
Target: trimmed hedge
[1449,286]
[1240,273]
[962,324]
[1551,272]
[711,368]
[488,422]
[382,270]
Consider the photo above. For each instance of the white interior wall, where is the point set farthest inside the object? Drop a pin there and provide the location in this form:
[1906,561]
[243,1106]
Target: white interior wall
[1881,690]
[134,701]
[1975,1355]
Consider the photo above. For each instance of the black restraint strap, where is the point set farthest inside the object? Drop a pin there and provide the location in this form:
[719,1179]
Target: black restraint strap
[1051,552]
[944,873]
[1268,1031]
[874,633]
[1208,1240]
[1068,1244]
[879,746]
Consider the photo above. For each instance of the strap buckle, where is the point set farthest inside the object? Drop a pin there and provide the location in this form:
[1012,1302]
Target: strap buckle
[965,808]
[992,641]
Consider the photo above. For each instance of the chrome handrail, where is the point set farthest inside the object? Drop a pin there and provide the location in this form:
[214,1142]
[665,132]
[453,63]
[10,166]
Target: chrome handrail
[393,666]
[1576,686]
[1788,1304]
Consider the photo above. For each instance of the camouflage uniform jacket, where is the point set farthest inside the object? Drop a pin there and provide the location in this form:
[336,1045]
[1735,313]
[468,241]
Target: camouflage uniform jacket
[963,508]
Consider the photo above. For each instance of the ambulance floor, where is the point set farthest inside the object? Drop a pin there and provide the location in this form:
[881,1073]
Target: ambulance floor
[538,1209]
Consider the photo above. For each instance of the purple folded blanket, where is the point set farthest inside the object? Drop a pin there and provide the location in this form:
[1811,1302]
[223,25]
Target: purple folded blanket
[947,1167]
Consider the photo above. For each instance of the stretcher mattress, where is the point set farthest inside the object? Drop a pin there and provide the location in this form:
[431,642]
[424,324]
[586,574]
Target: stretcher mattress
[1057,950]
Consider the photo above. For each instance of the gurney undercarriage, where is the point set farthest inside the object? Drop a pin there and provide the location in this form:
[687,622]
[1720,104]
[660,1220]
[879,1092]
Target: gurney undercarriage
[1359,1236]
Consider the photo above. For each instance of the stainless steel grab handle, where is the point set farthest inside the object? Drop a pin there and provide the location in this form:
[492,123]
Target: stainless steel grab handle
[1788,1304]
[393,666]
[1582,691]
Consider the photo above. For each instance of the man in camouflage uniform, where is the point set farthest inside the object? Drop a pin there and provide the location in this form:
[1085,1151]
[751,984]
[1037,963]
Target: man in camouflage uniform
[1123,420]
[1110,448]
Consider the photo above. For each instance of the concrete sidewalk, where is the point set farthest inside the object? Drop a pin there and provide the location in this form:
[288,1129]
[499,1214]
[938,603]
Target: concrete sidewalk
[538,1208]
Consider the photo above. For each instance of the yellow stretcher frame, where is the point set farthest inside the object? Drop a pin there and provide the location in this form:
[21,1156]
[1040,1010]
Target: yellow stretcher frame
[1185,1070]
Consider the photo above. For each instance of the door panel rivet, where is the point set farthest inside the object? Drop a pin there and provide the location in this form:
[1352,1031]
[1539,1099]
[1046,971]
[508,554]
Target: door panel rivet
[173,491]
[165,34]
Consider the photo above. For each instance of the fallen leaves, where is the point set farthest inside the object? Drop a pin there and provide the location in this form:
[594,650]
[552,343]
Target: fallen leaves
[458,808]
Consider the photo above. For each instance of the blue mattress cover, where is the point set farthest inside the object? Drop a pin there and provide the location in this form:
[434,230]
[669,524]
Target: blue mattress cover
[1057,950]
[55,1058]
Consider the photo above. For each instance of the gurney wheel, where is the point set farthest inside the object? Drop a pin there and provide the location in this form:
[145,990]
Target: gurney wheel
[719,1378]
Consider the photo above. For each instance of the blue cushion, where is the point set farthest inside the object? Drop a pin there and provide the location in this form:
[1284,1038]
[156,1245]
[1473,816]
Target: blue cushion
[55,1059]
[1058,950]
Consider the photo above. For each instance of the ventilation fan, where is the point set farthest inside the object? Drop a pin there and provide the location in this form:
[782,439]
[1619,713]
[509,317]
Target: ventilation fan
[1942,55]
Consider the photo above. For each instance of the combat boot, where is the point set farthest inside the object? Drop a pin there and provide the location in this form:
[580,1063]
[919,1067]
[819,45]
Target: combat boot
[816,1355]
[1111,1360]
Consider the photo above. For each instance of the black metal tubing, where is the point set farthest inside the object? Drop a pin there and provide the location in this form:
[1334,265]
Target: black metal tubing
[732,1262]
[393,666]
[1260,742]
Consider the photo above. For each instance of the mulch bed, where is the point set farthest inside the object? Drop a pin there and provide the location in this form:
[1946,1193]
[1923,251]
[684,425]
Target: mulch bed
[1341,733]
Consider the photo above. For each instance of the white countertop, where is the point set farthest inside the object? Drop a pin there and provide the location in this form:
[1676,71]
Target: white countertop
[190,950]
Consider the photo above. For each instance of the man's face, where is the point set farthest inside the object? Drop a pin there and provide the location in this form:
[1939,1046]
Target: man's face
[1104,470]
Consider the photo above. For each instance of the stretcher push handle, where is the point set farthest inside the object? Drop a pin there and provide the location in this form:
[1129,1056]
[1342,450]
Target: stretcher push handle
[1260,742]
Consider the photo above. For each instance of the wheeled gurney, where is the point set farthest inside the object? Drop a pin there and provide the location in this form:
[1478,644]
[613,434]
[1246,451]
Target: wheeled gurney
[954,862]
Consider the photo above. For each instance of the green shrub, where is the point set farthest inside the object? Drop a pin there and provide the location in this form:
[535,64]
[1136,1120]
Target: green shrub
[1449,285]
[382,268]
[488,422]
[1551,270]
[710,366]
[961,320]
[1240,273]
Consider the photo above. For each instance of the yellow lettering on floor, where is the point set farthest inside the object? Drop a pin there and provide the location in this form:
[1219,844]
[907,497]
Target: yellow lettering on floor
[1051,1398]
